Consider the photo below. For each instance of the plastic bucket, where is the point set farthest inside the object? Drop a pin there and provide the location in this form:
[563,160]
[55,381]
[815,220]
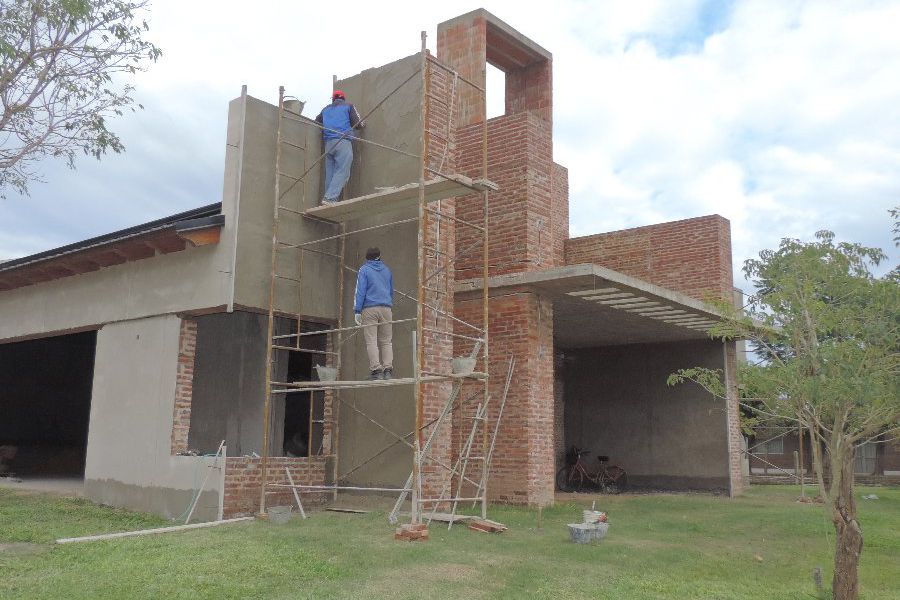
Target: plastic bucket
[326,373]
[279,515]
[600,530]
[581,533]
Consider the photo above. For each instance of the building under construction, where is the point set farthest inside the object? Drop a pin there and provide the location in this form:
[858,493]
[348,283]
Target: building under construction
[176,361]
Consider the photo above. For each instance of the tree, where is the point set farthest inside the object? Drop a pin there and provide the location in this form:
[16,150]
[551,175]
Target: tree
[828,332]
[61,65]
[895,214]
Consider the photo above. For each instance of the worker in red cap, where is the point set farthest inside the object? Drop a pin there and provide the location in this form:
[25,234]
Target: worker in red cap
[338,120]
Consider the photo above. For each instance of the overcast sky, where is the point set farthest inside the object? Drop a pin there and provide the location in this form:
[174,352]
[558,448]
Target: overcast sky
[784,117]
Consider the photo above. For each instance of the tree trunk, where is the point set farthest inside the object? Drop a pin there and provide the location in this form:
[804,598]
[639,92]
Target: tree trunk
[849,538]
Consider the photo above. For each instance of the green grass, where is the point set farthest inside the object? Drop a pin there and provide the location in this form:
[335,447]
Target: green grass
[763,545]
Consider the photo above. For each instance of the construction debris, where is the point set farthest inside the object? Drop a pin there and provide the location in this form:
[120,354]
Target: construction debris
[111,536]
[487,526]
[412,532]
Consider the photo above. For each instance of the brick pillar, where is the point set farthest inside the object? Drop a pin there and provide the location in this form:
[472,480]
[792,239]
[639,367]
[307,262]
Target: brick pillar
[521,325]
[184,385]
[528,221]
[462,44]
[733,420]
[559,214]
[440,239]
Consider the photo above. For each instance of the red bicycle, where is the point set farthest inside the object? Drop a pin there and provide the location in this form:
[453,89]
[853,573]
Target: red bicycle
[576,476]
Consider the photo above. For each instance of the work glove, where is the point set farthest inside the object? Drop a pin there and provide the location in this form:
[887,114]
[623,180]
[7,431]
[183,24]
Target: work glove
[357,318]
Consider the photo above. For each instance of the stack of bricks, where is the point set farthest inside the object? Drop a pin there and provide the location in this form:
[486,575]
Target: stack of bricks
[243,477]
[692,256]
[184,385]
[412,532]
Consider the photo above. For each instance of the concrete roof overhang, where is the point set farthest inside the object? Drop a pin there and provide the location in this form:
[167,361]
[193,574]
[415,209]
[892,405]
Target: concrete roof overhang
[197,227]
[595,306]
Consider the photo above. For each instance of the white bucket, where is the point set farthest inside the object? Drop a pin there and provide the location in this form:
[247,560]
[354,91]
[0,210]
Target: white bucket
[279,515]
[326,373]
[463,365]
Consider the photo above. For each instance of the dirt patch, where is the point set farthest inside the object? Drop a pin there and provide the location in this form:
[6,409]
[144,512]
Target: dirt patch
[23,549]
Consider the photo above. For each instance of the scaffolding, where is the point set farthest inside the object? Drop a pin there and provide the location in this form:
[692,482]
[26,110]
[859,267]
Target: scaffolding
[433,186]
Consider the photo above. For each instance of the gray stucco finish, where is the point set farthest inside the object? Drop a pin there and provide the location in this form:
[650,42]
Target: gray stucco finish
[617,403]
[129,461]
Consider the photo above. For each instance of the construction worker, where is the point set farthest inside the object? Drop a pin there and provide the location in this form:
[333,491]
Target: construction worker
[372,310]
[338,120]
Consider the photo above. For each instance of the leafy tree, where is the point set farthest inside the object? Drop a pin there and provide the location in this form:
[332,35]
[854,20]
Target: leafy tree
[895,214]
[61,63]
[829,334]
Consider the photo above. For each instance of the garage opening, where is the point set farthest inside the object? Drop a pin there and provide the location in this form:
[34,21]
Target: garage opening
[618,407]
[45,403]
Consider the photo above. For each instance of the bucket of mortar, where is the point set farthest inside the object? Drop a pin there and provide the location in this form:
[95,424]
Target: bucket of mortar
[600,530]
[581,533]
[594,516]
[279,515]
[462,365]
[326,373]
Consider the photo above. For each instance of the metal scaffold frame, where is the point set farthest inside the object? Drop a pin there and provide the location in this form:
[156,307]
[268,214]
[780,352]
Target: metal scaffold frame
[291,342]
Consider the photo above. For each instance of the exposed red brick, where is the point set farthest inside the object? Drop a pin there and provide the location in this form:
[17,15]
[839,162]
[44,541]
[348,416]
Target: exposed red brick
[184,385]
[243,477]
[692,256]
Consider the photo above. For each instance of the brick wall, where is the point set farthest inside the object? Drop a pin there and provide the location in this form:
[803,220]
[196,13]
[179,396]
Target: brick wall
[692,256]
[243,478]
[184,384]
[528,217]
[520,325]
[468,43]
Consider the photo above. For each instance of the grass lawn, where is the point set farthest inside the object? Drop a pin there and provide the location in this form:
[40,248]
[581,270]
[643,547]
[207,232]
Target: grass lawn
[762,545]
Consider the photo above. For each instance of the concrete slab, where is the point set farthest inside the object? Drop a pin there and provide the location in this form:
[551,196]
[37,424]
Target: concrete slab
[595,306]
[61,486]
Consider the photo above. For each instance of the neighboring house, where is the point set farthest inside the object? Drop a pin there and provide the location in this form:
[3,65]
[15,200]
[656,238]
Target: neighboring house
[121,354]
[773,454]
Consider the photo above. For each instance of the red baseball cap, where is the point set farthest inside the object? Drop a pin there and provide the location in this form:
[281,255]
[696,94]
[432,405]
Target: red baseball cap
[338,94]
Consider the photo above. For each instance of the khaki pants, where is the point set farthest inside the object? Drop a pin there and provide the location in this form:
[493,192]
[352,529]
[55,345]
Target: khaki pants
[377,330]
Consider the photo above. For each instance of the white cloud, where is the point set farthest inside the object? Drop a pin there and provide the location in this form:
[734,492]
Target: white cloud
[781,116]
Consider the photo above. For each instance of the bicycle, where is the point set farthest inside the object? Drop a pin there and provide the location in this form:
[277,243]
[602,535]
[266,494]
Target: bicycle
[575,476]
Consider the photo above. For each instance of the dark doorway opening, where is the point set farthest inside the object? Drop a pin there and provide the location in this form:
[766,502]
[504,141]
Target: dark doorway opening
[304,411]
[45,405]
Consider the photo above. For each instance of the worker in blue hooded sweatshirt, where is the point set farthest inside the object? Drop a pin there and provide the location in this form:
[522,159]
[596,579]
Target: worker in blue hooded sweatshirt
[372,310]
[338,120]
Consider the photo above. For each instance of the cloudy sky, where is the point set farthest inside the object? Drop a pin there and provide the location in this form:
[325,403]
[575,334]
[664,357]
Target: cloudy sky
[782,116]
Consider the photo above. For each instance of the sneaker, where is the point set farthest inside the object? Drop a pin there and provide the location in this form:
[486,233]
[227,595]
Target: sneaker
[387,373]
[376,375]
[328,202]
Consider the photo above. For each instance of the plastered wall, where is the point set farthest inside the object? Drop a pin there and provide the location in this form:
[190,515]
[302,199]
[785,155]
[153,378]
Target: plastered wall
[617,403]
[129,462]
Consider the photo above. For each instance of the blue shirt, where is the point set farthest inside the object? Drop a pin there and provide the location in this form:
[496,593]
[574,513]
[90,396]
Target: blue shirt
[374,286]
[338,118]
